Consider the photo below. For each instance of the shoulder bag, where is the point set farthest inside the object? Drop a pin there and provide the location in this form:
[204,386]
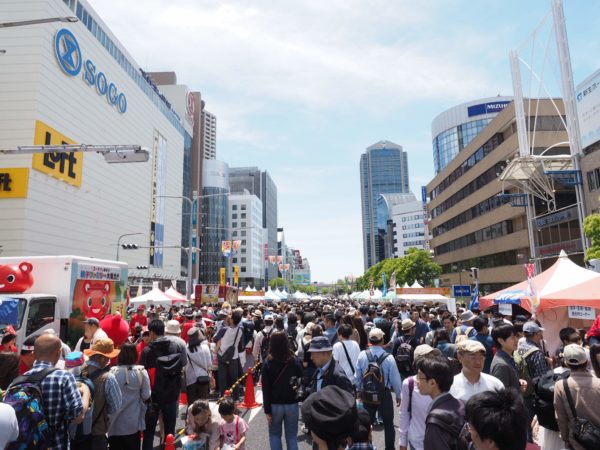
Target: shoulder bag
[586,433]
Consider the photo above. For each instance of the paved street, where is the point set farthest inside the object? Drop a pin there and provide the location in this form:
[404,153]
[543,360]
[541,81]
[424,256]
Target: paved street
[258,437]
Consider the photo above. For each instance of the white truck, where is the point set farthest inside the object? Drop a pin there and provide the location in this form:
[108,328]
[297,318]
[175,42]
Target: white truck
[58,292]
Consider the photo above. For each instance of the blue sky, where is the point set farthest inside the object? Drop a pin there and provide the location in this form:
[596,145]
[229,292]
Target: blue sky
[301,88]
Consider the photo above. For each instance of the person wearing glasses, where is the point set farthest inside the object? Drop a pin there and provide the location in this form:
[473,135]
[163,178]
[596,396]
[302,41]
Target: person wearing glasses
[471,380]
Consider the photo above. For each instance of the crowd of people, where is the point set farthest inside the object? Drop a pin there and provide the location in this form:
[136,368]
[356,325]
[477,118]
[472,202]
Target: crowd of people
[332,370]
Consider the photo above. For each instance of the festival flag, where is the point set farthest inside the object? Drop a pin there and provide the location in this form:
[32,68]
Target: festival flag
[222,276]
[475,299]
[236,275]
[531,291]
[393,281]
[280,259]
[226,248]
[236,245]
[272,259]
[372,288]
[384,290]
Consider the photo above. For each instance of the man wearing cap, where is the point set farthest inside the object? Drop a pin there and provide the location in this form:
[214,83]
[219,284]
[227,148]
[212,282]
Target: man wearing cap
[535,359]
[188,323]
[91,331]
[466,329]
[138,319]
[406,335]
[107,393]
[584,390]
[414,405]
[391,379]
[328,372]
[471,380]
[263,336]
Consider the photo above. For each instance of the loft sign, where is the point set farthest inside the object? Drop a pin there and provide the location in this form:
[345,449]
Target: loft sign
[68,55]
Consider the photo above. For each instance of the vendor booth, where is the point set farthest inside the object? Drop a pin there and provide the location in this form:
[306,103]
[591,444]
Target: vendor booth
[563,295]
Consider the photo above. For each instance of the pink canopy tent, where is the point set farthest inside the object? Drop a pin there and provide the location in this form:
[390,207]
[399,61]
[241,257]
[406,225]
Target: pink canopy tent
[562,285]
[175,296]
[562,277]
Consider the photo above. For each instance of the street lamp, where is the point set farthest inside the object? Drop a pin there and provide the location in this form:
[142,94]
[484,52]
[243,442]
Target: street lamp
[119,241]
[20,23]
[111,153]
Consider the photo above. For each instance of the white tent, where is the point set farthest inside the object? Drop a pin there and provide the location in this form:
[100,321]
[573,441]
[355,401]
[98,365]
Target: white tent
[416,285]
[155,296]
[300,295]
[271,295]
[317,297]
[405,285]
[377,295]
[427,298]
[283,295]
[364,295]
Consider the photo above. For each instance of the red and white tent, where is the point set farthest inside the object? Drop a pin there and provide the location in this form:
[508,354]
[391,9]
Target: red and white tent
[175,296]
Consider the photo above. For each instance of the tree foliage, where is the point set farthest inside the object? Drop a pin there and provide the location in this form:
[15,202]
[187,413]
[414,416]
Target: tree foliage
[415,266]
[591,228]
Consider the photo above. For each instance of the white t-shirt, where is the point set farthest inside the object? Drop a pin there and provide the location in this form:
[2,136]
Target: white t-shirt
[463,390]
[9,428]
[340,356]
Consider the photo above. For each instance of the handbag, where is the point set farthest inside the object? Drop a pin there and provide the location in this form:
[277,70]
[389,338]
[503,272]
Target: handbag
[202,379]
[586,433]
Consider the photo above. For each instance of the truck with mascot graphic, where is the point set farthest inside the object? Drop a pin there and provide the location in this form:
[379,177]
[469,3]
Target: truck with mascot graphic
[59,292]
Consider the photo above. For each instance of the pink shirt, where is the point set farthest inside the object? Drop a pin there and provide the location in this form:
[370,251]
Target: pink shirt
[231,433]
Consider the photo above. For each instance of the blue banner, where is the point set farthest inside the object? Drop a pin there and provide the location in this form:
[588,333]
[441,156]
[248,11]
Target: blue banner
[475,299]
[384,290]
[9,311]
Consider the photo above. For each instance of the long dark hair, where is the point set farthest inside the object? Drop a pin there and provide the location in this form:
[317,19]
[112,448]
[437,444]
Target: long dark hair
[279,349]
[359,326]
[441,334]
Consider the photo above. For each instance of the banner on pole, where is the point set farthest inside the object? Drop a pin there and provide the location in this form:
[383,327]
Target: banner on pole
[236,275]
[226,248]
[222,276]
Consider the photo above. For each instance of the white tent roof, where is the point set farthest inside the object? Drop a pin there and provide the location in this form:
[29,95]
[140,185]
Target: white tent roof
[416,285]
[405,285]
[175,296]
[317,297]
[377,294]
[270,295]
[281,294]
[155,296]
[300,295]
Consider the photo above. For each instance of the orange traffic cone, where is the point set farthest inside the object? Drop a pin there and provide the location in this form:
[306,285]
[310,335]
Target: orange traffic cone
[170,442]
[249,400]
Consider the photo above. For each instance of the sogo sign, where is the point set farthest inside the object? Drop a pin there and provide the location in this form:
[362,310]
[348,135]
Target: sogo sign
[68,55]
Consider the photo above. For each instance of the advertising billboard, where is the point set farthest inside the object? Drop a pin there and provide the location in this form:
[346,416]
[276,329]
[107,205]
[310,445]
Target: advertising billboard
[587,95]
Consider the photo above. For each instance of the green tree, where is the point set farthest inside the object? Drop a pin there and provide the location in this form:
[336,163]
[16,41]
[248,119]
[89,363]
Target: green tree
[417,265]
[591,228]
[276,282]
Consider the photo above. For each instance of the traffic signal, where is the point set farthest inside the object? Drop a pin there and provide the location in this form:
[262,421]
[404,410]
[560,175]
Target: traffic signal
[475,273]
[130,246]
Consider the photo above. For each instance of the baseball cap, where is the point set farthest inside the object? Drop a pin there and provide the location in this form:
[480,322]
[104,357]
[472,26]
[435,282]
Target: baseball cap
[376,334]
[92,321]
[424,350]
[574,354]
[531,328]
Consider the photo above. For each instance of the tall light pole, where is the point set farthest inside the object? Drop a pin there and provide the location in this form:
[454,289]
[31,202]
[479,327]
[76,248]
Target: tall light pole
[190,248]
[119,241]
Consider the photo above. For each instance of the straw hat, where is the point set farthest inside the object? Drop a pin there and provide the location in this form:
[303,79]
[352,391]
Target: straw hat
[104,347]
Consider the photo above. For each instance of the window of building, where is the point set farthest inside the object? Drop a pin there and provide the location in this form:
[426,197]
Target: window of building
[234,207]
[243,215]
[593,178]
[234,216]
[243,241]
[243,233]
[234,233]
[243,259]
[243,224]
[234,260]
[243,207]
[234,224]
[243,269]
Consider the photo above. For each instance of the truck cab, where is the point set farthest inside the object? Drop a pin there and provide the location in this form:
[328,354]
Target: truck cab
[36,313]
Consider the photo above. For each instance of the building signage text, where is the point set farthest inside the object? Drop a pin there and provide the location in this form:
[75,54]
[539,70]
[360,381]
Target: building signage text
[486,108]
[13,182]
[558,217]
[68,55]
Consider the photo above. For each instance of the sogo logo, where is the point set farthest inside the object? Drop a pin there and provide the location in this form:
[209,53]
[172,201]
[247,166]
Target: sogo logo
[68,55]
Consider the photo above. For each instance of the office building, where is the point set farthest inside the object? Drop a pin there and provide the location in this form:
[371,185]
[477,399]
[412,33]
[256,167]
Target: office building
[76,83]
[300,268]
[405,223]
[215,220]
[259,183]
[456,127]
[383,170]
[245,217]
[471,225]
[209,134]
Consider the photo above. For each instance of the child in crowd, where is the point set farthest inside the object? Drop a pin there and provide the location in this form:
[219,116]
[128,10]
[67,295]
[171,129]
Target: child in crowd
[232,428]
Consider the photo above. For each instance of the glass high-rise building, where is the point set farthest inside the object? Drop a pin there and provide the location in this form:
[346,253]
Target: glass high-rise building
[383,170]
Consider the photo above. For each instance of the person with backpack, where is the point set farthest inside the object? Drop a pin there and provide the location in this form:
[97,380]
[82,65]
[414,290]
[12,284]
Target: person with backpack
[576,401]
[414,405]
[466,330]
[403,348]
[261,343]
[127,423]
[531,363]
[197,372]
[376,377]
[107,393]
[164,360]
[346,351]
[228,349]
[446,416]
[45,394]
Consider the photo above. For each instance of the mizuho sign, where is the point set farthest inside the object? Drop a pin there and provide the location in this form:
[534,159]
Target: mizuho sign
[68,55]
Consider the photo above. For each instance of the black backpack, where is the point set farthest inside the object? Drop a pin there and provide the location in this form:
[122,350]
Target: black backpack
[404,356]
[373,380]
[264,345]
[167,381]
[543,398]
[292,343]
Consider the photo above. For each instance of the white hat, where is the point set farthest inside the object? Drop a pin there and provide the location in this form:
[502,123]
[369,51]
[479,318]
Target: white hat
[173,327]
